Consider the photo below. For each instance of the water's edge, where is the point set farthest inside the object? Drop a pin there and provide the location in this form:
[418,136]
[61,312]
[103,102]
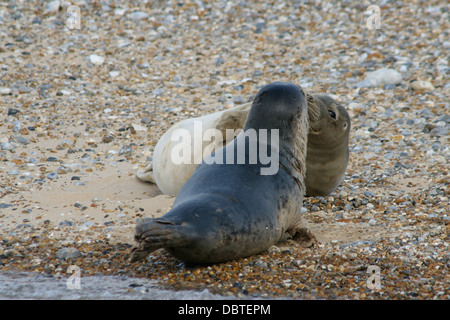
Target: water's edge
[26,285]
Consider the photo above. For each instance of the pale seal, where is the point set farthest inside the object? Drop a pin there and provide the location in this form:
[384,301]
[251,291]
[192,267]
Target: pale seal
[326,159]
[230,211]
[170,177]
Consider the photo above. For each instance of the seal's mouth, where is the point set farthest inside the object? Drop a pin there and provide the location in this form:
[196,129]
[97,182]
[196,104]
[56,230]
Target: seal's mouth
[312,131]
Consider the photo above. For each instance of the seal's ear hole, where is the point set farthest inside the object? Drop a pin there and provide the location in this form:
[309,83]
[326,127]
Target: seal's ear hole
[332,114]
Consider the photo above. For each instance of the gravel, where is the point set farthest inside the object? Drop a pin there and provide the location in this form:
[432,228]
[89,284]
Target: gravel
[81,109]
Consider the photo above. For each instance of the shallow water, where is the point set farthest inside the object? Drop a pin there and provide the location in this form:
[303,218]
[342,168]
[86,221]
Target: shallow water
[25,285]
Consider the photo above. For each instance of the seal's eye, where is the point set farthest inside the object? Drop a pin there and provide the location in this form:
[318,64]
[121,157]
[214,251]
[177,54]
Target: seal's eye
[332,114]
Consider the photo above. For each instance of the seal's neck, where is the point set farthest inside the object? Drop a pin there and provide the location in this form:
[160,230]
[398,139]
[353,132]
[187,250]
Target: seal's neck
[293,150]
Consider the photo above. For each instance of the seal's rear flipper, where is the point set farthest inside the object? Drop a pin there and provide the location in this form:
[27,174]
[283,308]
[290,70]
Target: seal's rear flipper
[146,174]
[153,234]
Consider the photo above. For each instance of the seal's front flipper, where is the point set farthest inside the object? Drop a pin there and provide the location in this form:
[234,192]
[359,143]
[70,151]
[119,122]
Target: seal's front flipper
[153,234]
[302,235]
[146,174]
[305,238]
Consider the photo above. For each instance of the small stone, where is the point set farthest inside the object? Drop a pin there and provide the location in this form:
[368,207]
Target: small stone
[68,253]
[238,100]
[138,127]
[368,194]
[261,264]
[119,11]
[17,125]
[138,15]
[439,132]
[64,170]
[96,199]
[12,112]
[52,175]
[66,223]
[220,61]
[146,120]
[348,207]
[75,178]
[380,77]
[80,206]
[96,59]
[52,6]
[144,65]
[422,85]
[6,146]
[22,140]
[64,92]
[107,139]
[126,151]
[114,74]
[4,91]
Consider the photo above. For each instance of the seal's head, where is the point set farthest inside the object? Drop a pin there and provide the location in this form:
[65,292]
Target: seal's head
[278,105]
[328,139]
[329,121]
[283,106]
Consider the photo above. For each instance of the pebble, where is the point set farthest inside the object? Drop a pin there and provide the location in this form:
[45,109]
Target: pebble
[146,120]
[68,253]
[439,132]
[52,175]
[96,59]
[380,77]
[138,15]
[12,111]
[107,139]
[138,127]
[6,146]
[52,6]
[127,151]
[66,223]
[13,172]
[114,74]
[421,85]
[5,91]
[22,140]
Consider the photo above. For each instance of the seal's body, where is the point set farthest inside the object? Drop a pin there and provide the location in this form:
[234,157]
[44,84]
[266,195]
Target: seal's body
[229,211]
[326,158]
